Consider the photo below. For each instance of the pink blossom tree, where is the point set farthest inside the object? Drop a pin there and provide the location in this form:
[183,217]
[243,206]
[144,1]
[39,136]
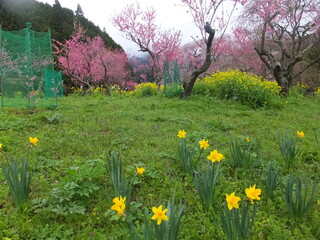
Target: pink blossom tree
[89,63]
[286,30]
[236,51]
[7,62]
[140,27]
[209,17]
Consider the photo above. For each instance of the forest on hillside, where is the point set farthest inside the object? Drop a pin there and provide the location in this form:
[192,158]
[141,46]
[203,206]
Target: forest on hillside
[15,13]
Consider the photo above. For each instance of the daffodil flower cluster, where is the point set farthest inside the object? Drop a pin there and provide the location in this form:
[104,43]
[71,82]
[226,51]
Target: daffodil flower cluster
[119,205]
[252,193]
[214,156]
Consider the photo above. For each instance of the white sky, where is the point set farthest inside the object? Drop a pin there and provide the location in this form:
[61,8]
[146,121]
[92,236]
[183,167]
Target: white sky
[170,14]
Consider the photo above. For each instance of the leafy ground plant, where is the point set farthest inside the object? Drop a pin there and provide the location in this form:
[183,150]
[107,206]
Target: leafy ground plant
[237,223]
[272,180]
[240,153]
[187,154]
[288,148]
[299,196]
[19,180]
[114,169]
[205,183]
[163,230]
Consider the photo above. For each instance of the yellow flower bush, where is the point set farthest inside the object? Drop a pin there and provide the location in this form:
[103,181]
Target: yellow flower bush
[159,214]
[146,89]
[247,88]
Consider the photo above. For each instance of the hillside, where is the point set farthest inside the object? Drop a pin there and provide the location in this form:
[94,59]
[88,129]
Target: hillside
[15,13]
[72,191]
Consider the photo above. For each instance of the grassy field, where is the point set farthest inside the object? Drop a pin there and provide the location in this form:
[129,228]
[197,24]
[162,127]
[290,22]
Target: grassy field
[76,137]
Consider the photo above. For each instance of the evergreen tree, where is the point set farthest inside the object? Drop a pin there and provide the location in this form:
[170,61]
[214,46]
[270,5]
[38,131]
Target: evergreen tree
[15,13]
[79,12]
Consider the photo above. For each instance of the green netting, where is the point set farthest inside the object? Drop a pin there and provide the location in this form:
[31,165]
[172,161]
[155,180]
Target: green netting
[27,75]
[172,82]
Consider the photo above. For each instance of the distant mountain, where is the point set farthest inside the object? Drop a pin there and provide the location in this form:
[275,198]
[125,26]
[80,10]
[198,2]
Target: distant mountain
[15,13]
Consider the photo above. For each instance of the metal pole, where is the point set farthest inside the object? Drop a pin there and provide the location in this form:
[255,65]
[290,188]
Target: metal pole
[1,80]
[55,74]
[28,54]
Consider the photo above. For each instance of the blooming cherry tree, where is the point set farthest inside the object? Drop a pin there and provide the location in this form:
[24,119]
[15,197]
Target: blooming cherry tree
[209,17]
[140,27]
[286,30]
[236,51]
[7,63]
[89,63]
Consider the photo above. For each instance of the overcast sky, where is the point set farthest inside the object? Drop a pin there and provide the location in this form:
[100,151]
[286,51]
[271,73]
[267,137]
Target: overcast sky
[170,14]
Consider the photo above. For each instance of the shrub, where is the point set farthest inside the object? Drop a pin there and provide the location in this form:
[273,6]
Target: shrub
[246,88]
[298,90]
[146,89]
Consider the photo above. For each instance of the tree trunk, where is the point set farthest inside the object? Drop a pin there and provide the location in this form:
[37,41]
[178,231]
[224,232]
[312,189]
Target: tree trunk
[282,80]
[188,85]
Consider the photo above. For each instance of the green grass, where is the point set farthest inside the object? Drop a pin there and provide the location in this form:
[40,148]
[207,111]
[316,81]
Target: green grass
[83,130]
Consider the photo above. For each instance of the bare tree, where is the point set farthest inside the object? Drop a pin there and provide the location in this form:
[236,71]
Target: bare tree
[286,31]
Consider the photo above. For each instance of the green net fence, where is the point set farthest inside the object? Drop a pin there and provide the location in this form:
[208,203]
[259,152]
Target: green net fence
[27,75]
[172,80]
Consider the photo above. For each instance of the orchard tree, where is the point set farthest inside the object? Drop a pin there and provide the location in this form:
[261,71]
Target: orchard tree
[140,27]
[89,63]
[7,63]
[208,17]
[236,51]
[286,30]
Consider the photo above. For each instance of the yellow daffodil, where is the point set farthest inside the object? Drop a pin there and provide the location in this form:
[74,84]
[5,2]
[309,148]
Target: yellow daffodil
[182,134]
[140,171]
[34,141]
[300,134]
[204,144]
[119,205]
[247,139]
[1,147]
[215,156]
[253,193]
[159,214]
[232,201]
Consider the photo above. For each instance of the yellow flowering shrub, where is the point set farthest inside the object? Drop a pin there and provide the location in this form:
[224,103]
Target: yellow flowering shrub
[247,88]
[146,89]
[299,90]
